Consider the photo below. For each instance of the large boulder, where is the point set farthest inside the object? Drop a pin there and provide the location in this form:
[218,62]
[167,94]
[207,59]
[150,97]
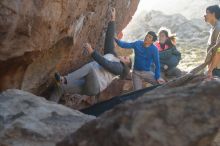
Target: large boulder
[187,115]
[39,37]
[29,120]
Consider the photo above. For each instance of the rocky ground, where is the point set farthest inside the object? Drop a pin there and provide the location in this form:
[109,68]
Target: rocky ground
[29,120]
[178,116]
[183,115]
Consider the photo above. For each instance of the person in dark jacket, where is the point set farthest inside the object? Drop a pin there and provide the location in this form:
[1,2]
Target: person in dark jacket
[169,55]
[94,77]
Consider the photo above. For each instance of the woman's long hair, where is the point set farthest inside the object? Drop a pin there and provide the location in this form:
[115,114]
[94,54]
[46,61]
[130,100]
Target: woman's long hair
[171,41]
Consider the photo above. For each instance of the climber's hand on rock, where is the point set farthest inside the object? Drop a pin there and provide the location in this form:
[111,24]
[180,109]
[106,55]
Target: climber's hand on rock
[88,47]
[209,75]
[113,12]
[161,81]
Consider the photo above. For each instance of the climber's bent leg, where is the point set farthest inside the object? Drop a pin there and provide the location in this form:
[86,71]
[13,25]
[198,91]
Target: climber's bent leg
[91,86]
[80,73]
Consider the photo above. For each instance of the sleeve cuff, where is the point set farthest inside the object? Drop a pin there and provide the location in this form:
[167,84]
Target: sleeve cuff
[157,77]
[94,54]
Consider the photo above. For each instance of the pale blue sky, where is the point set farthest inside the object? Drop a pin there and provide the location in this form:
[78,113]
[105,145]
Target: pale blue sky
[188,8]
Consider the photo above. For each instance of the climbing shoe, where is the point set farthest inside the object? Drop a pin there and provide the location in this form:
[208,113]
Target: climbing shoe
[57,77]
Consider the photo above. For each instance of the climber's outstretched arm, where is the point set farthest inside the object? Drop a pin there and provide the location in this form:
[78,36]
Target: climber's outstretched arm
[111,66]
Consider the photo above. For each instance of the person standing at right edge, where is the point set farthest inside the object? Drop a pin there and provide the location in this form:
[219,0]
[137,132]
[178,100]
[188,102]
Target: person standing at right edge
[212,17]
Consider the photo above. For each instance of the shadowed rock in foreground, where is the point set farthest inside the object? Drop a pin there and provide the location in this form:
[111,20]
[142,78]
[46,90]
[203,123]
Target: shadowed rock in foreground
[188,115]
[29,120]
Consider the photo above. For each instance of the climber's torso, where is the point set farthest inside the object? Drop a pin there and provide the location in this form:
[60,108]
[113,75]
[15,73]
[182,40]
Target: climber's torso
[214,34]
[104,76]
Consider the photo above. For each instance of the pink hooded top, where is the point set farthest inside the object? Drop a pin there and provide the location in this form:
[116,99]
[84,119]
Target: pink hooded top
[157,44]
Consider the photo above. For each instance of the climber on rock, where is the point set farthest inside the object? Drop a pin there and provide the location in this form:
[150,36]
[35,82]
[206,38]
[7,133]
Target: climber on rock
[212,17]
[145,53]
[94,77]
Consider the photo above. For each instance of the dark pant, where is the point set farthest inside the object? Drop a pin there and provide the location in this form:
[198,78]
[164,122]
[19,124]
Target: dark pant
[216,72]
[109,47]
[171,62]
[174,72]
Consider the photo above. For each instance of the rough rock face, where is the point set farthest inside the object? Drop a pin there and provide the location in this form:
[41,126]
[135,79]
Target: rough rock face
[39,37]
[176,116]
[28,120]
